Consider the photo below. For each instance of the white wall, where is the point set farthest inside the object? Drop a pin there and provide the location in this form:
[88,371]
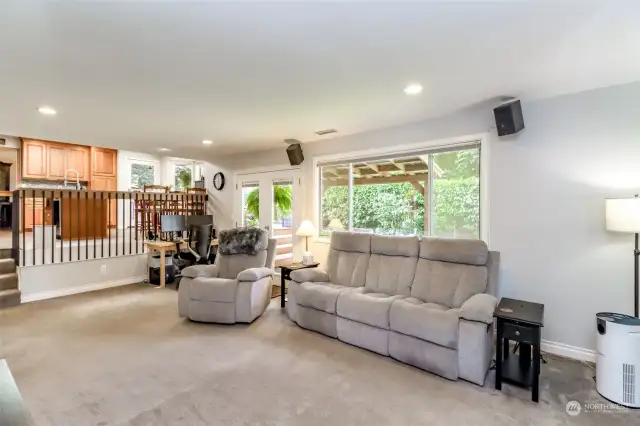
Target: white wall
[547,187]
[43,282]
[9,155]
[220,203]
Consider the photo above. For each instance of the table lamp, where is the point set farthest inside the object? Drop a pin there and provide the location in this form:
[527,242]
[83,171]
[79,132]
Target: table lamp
[623,215]
[335,225]
[306,230]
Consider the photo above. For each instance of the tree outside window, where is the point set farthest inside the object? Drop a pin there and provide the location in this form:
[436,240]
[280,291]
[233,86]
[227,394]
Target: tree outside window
[182,177]
[141,175]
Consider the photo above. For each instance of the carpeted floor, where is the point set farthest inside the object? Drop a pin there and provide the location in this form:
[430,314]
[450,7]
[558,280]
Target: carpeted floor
[123,357]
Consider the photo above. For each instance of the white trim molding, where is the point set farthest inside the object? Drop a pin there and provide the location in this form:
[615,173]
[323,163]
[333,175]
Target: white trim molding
[568,351]
[81,289]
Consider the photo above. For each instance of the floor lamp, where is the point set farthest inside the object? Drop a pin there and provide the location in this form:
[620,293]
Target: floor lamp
[623,215]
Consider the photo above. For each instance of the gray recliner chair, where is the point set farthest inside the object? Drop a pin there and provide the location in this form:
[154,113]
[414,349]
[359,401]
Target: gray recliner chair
[237,288]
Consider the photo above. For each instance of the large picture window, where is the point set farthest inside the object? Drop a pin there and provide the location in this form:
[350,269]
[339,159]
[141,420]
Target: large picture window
[142,173]
[431,193]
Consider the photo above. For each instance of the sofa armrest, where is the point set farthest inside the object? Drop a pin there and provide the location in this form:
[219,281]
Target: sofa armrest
[195,271]
[314,275]
[479,308]
[254,274]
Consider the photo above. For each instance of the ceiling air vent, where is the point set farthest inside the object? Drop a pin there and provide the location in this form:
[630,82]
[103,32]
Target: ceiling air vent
[325,132]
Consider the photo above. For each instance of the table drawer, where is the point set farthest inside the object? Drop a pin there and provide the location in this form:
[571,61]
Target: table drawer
[521,333]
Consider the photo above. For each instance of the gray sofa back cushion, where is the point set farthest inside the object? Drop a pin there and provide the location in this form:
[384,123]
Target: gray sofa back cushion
[450,271]
[470,252]
[392,265]
[348,258]
[449,284]
[232,264]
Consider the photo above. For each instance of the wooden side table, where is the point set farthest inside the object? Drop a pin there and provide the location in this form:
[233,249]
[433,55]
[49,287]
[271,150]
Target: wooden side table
[521,322]
[285,274]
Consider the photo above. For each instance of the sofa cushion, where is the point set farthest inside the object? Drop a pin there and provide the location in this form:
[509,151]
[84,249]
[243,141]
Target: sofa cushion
[231,265]
[351,242]
[320,296]
[366,307]
[408,246]
[449,284]
[213,289]
[437,325]
[454,250]
[347,268]
[392,264]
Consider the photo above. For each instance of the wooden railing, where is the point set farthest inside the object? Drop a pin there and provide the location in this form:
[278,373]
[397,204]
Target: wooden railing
[54,226]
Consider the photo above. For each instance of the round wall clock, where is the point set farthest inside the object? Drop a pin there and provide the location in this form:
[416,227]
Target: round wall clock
[218,181]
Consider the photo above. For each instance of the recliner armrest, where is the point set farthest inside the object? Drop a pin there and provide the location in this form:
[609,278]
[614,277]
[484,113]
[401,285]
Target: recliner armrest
[195,271]
[314,275]
[255,274]
[479,308]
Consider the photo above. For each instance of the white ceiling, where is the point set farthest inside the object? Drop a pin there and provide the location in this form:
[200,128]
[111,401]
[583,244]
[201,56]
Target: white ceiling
[160,74]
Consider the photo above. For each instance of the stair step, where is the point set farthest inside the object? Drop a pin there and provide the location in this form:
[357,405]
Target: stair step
[7,266]
[9,298]
[9,281]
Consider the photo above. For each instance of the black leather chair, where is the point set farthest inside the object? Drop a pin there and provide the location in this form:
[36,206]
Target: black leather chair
[199,246]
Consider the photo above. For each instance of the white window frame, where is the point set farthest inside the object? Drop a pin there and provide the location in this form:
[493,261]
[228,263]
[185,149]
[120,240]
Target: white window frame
[407,149]
[176,164]
[156,170]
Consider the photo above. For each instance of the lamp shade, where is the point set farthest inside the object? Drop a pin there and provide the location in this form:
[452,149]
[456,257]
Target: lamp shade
[306,229]
[623,214]
[335,225]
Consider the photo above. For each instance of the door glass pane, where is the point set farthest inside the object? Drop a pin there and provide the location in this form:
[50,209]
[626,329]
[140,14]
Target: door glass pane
[456,194]
[388,196]
[334,199]
[250,204]
[282,220]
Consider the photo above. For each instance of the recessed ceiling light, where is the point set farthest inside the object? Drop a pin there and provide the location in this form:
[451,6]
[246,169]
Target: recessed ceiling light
[47,110]
[207,142]
[164,149]
[413,89]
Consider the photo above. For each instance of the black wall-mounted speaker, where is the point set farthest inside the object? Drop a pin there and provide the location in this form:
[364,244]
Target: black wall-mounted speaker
[294,151]
[509,118]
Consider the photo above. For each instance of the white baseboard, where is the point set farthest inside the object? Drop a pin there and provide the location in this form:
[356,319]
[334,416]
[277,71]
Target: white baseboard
[81,289]
[568,351]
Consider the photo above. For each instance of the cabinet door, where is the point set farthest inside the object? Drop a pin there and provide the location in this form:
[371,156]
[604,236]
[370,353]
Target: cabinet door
[34,159]
[104,161]
[56,161]
[78,159]
[104,183]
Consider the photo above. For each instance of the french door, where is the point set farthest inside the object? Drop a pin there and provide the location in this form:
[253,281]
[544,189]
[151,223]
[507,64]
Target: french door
[271,201]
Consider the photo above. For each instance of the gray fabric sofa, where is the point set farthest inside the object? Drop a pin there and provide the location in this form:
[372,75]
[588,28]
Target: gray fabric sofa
[426,302]
[237,288]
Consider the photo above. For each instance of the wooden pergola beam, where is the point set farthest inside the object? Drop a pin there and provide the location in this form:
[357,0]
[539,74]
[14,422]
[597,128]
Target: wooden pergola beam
[373,180]
[418,187]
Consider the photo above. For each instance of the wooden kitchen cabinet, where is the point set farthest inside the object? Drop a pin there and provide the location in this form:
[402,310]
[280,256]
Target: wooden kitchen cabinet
[104,162]
[77,158]
[56,161]
[34,159]
[44,160]
[33,209]
[107,183]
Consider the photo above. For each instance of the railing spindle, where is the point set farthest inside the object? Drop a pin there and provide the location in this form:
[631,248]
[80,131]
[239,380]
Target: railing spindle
[109,223]
[95,223]
[23,226]
[33,226]
[78,227]
[135,211]
[53,229]
[86,224]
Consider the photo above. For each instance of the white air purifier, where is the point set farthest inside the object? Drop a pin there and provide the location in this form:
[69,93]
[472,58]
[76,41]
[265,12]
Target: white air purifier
[618,361]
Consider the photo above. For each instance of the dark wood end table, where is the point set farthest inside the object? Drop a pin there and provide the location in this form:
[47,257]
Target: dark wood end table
[285,274]
[521,322]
